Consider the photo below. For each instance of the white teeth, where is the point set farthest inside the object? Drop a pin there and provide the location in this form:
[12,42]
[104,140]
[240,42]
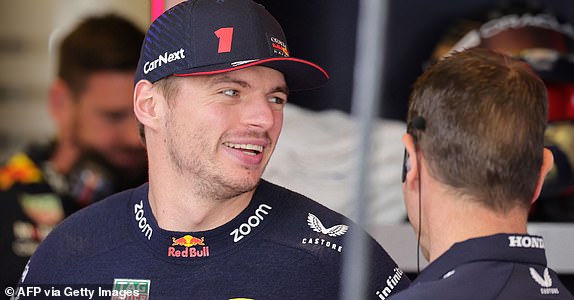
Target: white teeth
[245,147]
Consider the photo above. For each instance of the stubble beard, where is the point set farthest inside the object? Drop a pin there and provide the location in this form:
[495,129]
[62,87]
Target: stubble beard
[207,178]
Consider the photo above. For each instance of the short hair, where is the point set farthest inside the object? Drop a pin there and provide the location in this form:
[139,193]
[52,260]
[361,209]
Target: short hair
[485,119]
[99,43]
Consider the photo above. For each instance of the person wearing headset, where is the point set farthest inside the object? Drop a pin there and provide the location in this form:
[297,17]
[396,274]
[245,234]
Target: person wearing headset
[96,149]
[475,162]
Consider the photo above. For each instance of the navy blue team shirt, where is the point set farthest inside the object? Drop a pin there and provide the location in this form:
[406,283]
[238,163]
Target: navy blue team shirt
[282,246]
[502,266]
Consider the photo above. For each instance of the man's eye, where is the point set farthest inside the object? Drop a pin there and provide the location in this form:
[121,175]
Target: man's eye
[277,100]
[230,92]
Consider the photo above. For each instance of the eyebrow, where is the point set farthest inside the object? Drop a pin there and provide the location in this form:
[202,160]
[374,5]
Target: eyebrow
[226,78]
[281,89]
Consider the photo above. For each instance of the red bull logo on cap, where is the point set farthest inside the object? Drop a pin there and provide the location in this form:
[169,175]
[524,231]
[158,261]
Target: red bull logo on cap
[279,47]
[189,242]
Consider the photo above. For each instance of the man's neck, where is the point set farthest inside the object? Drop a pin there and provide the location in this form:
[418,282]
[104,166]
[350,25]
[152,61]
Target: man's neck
[64,158]
[182,209]
[463,219]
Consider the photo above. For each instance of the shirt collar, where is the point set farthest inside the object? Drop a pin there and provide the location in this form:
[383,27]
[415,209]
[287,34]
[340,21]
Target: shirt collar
[516,248]
[194,246]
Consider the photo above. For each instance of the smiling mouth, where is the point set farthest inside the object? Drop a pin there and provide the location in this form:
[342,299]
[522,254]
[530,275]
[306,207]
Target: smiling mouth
[248,149]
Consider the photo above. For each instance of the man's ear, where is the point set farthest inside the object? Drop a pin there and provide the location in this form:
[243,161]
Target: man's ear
[412,161]
[145,104]
[547,164]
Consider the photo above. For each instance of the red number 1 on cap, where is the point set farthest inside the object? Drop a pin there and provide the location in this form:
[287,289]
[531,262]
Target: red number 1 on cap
[225,36]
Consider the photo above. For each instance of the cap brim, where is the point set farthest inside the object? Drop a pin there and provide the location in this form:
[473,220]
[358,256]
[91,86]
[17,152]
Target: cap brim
[299,74]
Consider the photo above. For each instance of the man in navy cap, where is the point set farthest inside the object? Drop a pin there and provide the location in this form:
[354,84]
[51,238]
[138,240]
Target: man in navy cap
[212,81]
[475,162]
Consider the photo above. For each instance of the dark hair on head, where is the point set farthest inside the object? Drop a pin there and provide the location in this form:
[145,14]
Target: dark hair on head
[99,43]
[485,119]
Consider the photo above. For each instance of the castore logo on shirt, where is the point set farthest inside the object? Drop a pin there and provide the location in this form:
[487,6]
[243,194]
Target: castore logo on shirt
[545,281]
[316,225]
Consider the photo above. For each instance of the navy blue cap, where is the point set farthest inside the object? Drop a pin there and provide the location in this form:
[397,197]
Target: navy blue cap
[206,37]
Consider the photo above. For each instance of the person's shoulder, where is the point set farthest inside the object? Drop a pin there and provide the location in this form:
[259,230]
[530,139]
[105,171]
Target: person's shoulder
[301,221]
[19,169]
[95,218]
[315,230]
[315,227]
[490,280]
[460,283]
[426,291]
[90,231]
[103,213]
[505,280]
[24,194]
[472,278]
[305,214]
[533,281]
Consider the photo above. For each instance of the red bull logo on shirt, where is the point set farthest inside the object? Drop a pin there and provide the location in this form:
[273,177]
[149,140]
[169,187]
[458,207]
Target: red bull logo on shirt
[189,242]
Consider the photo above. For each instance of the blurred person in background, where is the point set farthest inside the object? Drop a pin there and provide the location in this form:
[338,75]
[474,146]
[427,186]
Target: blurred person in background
[96,150]
[545,41]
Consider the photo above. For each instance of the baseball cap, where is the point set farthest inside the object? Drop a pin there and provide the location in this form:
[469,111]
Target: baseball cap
[206,37]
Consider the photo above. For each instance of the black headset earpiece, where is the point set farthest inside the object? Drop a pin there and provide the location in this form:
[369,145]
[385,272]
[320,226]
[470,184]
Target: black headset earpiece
[419,123]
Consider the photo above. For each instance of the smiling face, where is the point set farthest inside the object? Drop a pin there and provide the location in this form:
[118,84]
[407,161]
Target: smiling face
[221,130]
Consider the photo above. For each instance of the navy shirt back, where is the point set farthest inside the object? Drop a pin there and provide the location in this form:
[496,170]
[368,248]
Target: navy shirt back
[502,266]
